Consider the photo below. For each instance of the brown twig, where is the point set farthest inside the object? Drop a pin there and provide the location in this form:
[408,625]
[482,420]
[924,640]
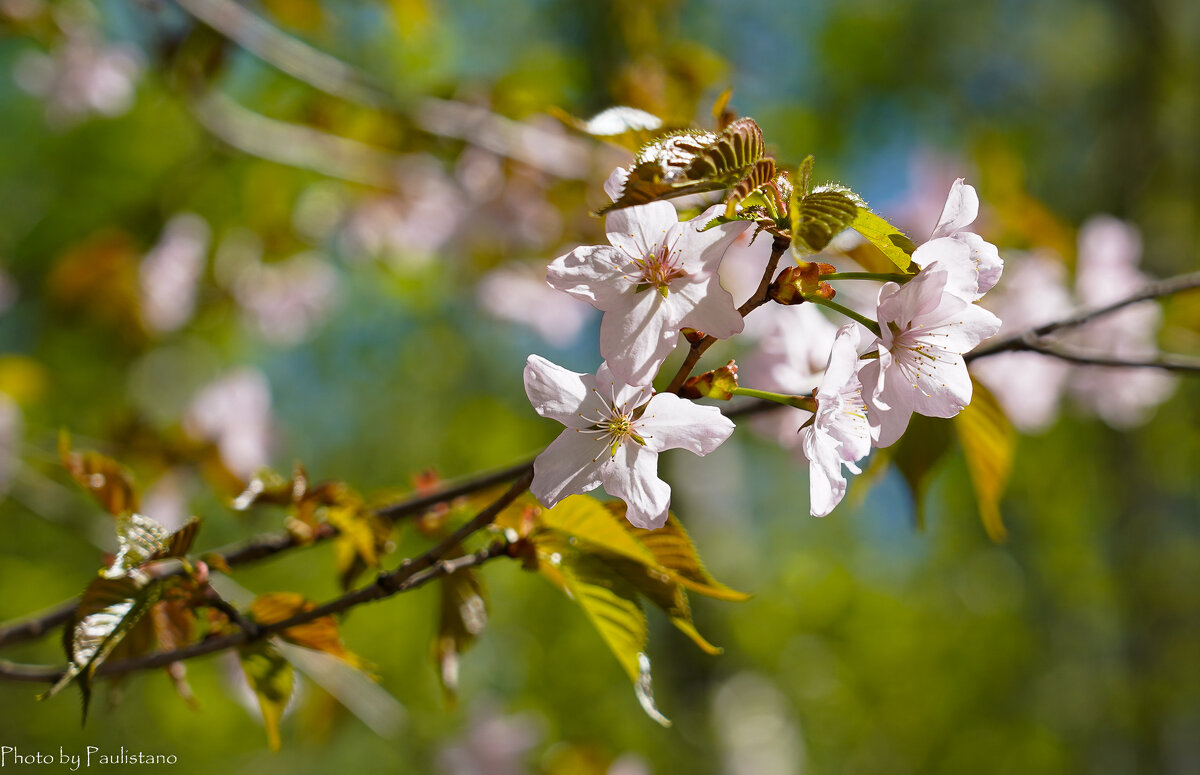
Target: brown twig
[410,575]
[760,297]
[268,545]
[1031,339]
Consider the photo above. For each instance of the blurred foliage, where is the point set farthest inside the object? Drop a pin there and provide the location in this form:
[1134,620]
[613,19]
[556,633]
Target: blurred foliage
[329,314]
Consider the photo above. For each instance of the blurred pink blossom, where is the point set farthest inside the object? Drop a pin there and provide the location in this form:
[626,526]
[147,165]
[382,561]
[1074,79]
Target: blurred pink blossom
[234,412]
[493,744]
[82,74]
[1109,253]
[170,271]
[1028,386]
[516,292]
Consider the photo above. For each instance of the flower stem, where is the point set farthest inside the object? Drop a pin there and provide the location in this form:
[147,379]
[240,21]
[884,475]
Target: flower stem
[884,277]
[808,403]
[833,305]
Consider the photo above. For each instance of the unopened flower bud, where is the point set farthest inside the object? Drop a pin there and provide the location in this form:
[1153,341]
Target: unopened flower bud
[718,384]
[692,335]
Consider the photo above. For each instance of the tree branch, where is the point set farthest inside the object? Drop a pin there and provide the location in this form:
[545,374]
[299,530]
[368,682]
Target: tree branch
[1024,339]
[1165,362]
[410,575]
[760,297]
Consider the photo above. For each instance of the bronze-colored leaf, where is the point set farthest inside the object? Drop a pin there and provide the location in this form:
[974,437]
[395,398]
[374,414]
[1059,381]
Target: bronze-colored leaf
[105,479]
[320,634]
[988,443]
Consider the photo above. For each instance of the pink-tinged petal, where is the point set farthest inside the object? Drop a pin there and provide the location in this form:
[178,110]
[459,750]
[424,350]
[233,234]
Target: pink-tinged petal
[594,273]
[917,298]
[826,482]
[952,256]
[641,230]
[961,209]
[635,340]
[986,258]
[887,423]
[703,250]
[555,392]
[932,382]
[710,308]
[843,361]
[571,465]
[632,476]
[671,422]
[615,185]
[616,393]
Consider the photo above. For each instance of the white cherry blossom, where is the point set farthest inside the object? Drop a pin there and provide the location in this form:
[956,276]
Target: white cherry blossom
[839,434]
[926,328]
[972,264]
[658,275]
[613,436]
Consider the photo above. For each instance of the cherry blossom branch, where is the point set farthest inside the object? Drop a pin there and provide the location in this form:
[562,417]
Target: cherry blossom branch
[410,575]
[1165,362]
[270,544]
[760,297]
[1030,339]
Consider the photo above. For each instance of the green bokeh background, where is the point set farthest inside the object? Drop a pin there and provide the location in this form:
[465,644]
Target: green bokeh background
[870,646]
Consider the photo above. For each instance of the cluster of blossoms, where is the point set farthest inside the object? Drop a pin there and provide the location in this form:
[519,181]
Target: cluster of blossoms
[659,276]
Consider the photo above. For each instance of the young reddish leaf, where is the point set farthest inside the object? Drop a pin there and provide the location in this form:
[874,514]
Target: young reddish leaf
[464,614]
[691,162]
[320,634]
[271,678]
[988,443]
[108,481]
[883,235]
[107,612]
[674,552]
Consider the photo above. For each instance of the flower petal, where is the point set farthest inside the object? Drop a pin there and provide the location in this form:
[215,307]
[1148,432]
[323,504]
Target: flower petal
[555,392]
[569,466]
[594,273]
[960,210]
[671,422]
[632,476]
[826,482]
[637,336]
[640,230]
[710,308]
[703,250]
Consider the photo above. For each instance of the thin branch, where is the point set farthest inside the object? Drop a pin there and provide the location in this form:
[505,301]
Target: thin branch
[410,575]
[760,297]
[296,145]
[261,547]
[1022,340]
[280,50]
[1165,362]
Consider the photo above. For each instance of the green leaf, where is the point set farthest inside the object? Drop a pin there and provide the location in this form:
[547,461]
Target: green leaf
[611,603]
[668,595]
[624,127]
[883,235]
[271,678]
[107,612]
[988,443]
[583,518]
[916,456]
[464,614]
[818,218]
[675,553]
[691,162]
